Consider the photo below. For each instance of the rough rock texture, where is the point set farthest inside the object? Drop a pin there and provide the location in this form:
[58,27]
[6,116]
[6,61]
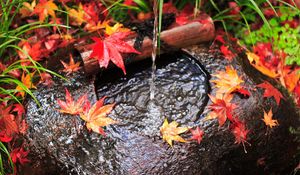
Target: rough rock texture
[60,144]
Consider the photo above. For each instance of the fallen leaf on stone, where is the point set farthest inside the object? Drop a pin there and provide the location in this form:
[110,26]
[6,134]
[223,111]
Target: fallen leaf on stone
[271,91]
[71,67]
[96,116]
[170,132]
[268,119]
[70,106]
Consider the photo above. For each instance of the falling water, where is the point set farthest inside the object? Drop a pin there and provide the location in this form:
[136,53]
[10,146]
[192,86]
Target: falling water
[154,49]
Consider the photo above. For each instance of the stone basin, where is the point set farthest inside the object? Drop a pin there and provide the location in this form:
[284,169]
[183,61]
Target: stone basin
[60,144]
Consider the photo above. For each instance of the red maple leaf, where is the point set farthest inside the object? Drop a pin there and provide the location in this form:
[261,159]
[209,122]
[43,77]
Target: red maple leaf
[271,91]
[227,53]
[4,137]
[110,49]
[197,134]
[240,132]
[70,106]
[7,120]
[19,155]
[221,108]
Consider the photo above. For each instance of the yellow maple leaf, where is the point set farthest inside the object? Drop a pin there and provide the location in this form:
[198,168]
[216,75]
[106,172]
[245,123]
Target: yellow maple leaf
[268,119]
[118,27]
[255,62]
[96,116]
[76,16]
[71,67]
[171,132]
[27,82]
[27,9]
[45,8]
[227,81]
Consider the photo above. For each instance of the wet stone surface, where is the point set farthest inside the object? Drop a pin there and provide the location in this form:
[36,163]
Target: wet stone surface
[60,144]
[181,88]
[134,146]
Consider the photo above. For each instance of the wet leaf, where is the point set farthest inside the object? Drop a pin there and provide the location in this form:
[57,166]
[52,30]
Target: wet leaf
[27,9]
[170,132]
[109,30]
[197,134]
[27,82]
[271,91]
[71,67]
[76,16]
[268,119]
[240,132]
[7,121]
[70,106]
[110,49]
[255,62]
[19,155]
[45,8]
[227,53]
[96,116]
[227,81]
[222,108]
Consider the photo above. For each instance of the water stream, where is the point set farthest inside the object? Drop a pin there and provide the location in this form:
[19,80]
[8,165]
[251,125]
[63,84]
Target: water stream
[154,49]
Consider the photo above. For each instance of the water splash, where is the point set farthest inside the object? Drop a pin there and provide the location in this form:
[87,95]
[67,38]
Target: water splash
[154,49]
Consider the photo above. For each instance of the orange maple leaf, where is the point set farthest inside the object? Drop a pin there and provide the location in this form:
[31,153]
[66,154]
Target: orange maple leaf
[271,91]
[71,67]
[96,116]
[268,119]
[27,83]
[228,81]
[171,132]
[288,77]
[255,62]
[221,108]
[45,8]
[70,106]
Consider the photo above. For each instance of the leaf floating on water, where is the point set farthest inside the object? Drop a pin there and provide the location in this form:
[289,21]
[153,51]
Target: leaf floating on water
[70,106]
[96,116]
[171,132]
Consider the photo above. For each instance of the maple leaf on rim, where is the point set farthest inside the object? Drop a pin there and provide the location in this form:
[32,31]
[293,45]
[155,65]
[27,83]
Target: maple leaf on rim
[110,49]
[228,81]
[268,119]
[96,116]
[240,132]
[221,108]
[271,91]
[71,67]
[197,134]
[171,132]
[70,106]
